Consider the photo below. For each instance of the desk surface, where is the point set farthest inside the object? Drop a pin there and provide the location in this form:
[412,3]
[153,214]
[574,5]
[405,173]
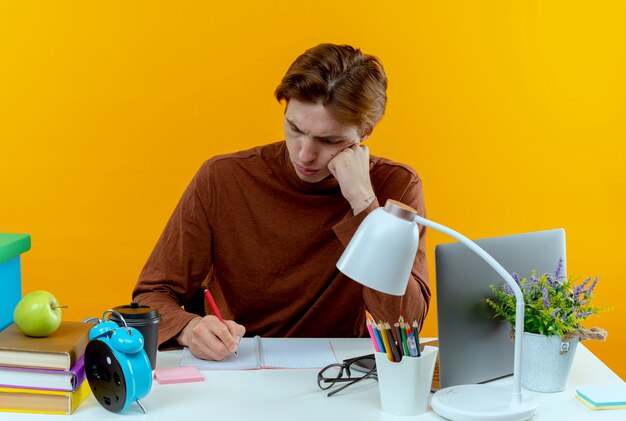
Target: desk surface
[293,394]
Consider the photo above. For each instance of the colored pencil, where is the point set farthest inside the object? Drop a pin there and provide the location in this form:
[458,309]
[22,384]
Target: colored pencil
[399,341]
[368,323]
[405,345]
[379,339]
[383,334]
[417,337]
[394,348]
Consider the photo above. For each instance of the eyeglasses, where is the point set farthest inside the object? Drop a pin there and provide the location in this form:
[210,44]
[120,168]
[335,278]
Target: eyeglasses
[332,374]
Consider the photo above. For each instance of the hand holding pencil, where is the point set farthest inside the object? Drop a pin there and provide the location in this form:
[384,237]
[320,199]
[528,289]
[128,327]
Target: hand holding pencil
[211,337]
[226,337]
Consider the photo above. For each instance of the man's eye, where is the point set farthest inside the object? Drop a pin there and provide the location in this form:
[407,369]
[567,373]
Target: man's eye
[295,129]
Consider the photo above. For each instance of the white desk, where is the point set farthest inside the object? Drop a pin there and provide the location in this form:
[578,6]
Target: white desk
[293,394]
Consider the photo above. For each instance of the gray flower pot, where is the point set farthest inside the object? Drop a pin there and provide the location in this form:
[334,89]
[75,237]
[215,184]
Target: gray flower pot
[546,362]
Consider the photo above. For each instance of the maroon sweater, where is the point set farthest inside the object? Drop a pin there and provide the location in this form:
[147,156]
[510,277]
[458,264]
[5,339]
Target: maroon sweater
[267,244]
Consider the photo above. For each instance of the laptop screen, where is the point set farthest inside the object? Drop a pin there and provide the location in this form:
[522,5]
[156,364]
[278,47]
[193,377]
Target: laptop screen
[474,347]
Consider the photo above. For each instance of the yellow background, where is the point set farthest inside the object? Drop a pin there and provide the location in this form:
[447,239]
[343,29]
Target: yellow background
[513,113]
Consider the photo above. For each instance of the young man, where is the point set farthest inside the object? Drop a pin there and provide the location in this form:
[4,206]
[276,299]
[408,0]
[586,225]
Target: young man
[264,228]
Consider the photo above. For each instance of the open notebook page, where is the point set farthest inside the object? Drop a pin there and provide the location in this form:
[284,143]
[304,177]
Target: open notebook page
[296,353]
[256,353]
[248,358]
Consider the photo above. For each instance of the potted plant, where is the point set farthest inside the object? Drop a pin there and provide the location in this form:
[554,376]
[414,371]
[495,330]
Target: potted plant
[555,308]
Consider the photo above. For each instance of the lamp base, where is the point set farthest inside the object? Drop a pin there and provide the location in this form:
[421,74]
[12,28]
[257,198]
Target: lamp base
[478,402]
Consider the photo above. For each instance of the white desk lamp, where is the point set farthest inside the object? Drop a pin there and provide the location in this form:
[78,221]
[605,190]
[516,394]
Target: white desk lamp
[380,256]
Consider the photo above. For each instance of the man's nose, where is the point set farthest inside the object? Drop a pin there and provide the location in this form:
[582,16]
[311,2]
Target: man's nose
[308,150]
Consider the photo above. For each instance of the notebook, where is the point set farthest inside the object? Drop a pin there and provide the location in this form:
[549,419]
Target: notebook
[258,353]
[475,347]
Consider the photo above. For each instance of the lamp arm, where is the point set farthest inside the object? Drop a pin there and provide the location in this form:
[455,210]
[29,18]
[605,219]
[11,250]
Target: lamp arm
[519,299]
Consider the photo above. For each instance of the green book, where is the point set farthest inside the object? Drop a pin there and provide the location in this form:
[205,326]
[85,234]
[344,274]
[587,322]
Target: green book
[12,245]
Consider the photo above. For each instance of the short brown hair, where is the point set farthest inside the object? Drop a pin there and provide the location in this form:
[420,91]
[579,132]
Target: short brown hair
[352,85]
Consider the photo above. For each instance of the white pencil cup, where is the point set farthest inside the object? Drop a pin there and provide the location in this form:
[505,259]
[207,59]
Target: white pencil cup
[405,386]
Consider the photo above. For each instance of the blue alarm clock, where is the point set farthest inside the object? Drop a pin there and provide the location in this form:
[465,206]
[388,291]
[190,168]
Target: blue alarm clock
[116,365]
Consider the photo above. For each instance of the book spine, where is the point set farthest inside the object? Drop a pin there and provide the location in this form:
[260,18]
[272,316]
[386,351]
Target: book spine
[78,350]
[79,396]
[79,369]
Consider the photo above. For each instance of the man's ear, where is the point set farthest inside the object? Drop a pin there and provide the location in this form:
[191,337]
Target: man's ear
[366,133]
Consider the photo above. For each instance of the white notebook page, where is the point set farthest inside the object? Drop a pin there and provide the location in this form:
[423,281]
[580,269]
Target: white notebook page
[274,353]
[248,358]
[296,353]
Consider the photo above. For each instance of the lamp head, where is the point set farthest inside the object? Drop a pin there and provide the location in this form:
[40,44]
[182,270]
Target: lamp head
[381,252]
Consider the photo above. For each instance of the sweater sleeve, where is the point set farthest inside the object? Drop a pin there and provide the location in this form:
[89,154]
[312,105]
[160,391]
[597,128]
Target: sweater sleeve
[180,260]
[414,303]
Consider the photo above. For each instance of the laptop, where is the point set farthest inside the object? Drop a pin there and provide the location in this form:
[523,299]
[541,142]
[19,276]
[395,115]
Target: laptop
[474,347]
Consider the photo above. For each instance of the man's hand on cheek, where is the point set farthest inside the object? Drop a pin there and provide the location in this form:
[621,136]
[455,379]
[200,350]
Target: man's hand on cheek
[351,168]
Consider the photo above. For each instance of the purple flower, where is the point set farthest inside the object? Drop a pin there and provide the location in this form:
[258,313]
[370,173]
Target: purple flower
[551,281]
[529,283]
[593,285]
[559,268]
[583,315]
[579,289]
[507,289]
[546,301]
[555,312]
[516,278]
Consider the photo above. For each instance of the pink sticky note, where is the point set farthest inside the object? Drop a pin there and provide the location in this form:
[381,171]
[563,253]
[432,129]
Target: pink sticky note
[178,375]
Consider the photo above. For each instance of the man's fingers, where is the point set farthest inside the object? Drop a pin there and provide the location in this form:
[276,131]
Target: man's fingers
[214,340]
[209,337]
[227,338]
[207,353]
[229,342]
[236,329]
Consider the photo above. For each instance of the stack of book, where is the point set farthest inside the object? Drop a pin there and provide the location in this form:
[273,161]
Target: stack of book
[43,375]
[602,397]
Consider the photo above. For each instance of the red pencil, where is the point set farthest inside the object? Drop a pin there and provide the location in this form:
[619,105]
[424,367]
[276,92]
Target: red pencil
[216,312]
[209,298]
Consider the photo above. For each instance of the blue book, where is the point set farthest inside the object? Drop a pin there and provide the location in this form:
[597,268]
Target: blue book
[11,246]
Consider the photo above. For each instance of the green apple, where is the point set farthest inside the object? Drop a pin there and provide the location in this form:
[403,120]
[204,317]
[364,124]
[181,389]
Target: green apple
[38,314]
